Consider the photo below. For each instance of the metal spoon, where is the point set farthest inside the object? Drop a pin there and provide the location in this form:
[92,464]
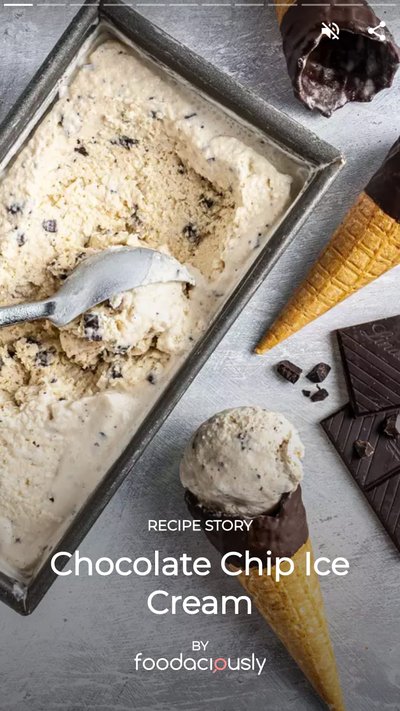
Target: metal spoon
[97,279]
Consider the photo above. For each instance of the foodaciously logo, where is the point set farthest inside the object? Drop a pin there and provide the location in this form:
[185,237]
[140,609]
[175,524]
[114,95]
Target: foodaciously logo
[213,664]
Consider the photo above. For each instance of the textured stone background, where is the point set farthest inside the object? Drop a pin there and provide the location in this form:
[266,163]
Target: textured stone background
[76,651]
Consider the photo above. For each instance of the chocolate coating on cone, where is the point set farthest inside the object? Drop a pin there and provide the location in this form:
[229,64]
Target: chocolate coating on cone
[282,532]
[327,73]
[384,187]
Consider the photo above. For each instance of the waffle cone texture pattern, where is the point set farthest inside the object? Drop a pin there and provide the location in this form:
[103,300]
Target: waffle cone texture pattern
[365,246]
[294,608]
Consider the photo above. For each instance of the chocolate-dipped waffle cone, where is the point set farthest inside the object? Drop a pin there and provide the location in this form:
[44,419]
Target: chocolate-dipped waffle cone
[365,246]
[331,56]
[292,606]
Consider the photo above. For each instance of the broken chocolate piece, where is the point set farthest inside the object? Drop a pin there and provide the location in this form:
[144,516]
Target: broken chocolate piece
[378,476]
[371,360]
[20,239]
[363,448]
[49,225]
[326,74]
[319,372]
[319,395]
[289,371]
[91,327]
[306,393]
[391,426]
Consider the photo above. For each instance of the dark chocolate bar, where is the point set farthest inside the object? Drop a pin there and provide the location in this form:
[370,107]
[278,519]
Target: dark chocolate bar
[377,475]
[327,71]
[384,186]
[371,361]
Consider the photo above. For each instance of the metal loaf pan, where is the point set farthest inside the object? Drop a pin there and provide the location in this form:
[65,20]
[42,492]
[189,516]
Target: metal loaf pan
[320,163]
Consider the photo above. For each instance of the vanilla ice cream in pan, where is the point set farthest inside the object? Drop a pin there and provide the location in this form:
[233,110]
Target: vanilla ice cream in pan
[112,147]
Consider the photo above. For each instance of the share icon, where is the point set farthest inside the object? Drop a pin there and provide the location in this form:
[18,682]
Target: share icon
[374,31]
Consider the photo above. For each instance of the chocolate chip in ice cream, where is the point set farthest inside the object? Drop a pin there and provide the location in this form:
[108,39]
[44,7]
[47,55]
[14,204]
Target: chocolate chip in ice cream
[116,371]
[21,239]
[45,357]
[289,371]
[49,225]
[82,150]
[191,233]
[391,425]
[319,372]
[207,202]
[125,142]
[14,208]
[91,327]
[306,393]
[363,448]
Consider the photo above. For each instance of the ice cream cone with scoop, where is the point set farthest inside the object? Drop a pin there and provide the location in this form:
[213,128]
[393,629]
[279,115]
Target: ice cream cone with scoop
[365,246]
[245,464]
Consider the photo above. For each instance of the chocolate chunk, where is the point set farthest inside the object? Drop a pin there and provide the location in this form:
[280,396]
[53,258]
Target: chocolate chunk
[49,225]
[45,357]
[371,360]
[378,476]
[319,372]
[363,448]
[326,72]
[20,239]
[91,327]
[125,142]
[151,378]
[289,371]
[189,116]
[82,150]
[391,426]
[191,233]
[319,395]
[14,208]
[306,393]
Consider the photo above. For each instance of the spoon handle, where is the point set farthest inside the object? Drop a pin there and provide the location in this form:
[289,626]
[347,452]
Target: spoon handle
[27,311]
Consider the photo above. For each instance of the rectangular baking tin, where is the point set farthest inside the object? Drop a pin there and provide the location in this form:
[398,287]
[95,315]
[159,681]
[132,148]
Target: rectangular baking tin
[324,160]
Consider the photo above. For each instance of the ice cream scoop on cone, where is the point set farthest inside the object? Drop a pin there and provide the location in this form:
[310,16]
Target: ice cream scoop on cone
[365,246]
[245,464]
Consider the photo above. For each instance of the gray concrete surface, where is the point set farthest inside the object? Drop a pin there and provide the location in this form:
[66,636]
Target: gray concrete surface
[76,651]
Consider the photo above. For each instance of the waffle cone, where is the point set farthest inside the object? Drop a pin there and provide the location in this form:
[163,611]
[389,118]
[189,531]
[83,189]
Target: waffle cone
[366,245]
[294,608]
